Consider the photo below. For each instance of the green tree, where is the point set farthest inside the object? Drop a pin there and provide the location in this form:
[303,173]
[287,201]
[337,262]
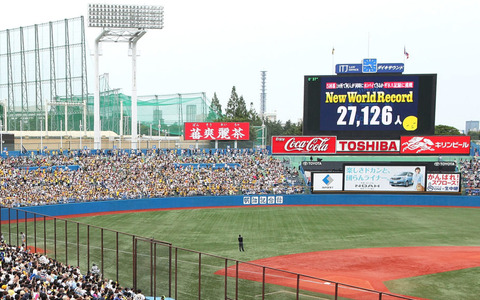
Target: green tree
[292,128]
[236,108]
[253,117]
[215,113]
[446,130]
[474,135]
[274,128]
[232,104]
[242,113]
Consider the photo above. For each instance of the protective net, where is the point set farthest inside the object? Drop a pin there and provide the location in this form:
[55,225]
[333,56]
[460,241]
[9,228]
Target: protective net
[166,113]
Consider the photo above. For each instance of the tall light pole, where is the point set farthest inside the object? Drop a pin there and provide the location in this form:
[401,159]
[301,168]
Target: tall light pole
[81,126]
[121,23]
[159,131]
[41,136]
[61,135]
[148,146]
[21,136]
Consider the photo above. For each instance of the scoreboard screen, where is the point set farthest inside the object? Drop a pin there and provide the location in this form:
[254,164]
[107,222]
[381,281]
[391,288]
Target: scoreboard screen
[370,105]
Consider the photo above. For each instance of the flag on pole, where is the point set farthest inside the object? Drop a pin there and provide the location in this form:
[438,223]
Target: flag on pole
[406,53]
[333,50]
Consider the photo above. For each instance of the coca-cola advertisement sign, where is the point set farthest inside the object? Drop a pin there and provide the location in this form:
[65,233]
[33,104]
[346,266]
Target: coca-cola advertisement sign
[303,144]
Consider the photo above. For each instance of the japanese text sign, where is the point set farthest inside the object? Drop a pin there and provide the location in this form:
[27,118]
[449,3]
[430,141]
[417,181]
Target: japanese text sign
[217,131]
[437,144]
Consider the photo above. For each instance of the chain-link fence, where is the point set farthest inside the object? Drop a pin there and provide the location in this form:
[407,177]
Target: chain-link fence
[159,268]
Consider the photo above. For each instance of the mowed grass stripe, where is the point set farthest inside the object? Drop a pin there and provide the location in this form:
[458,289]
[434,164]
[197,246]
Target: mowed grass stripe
[272,231]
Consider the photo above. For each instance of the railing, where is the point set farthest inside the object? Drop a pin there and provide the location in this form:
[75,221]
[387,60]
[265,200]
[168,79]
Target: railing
[159,268]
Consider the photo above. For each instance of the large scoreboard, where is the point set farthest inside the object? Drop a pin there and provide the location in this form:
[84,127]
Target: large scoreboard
[370,106]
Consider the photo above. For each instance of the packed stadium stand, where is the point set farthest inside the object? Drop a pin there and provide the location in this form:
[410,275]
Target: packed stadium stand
[26,275]
[82,176]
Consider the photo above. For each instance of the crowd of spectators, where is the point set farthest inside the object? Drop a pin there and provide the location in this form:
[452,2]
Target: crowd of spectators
[25,275]
[470,169]
[45,179]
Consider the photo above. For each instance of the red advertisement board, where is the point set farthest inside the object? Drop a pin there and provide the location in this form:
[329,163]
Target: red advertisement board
[303,144]
[222,131]
[368,146]
[438,144]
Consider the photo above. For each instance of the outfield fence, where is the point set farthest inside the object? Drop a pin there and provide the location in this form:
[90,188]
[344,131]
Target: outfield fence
[160,268]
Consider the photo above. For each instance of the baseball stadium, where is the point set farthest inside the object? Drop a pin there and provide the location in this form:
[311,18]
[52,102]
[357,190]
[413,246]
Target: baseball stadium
[106,195]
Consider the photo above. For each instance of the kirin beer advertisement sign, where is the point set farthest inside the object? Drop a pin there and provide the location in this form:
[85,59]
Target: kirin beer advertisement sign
[303,144]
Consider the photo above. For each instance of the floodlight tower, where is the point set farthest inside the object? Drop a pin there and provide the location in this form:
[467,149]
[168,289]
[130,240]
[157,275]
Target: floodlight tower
[121,23]
[263,94]
[263,104]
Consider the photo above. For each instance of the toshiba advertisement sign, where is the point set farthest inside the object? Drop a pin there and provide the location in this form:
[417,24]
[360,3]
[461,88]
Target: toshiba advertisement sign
[368,146]
[303,144]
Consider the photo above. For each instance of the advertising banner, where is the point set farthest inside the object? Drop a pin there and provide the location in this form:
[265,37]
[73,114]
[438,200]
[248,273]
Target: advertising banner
[445,182]
[303,145]
[257,200]
[381,68]
[325,182]
[385,178]
[217,131]
[368,146]
[438,144]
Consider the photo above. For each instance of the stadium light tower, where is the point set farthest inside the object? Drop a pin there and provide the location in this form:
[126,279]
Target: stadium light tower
[121,23]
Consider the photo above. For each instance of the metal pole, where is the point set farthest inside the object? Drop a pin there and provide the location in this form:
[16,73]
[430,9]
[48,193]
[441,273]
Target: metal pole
[159,131]
[61,135]
[66,242]
[85,117]
[41,136]
[139,141]
[121,124]
[226,278]
[5,114]
[81,126]
[46,116]
[66,119]
[263,284]
[199,276]
[134,94]
[55,237]
[150,134]
[263,135]
[21,136]
[96,101]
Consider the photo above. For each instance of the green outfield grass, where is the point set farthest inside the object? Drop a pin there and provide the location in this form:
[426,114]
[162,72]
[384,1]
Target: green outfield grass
[273,231]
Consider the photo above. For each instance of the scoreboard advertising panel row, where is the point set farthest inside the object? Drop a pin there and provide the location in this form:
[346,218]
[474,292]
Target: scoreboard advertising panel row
[406,145]
[370,105]
[386,178]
